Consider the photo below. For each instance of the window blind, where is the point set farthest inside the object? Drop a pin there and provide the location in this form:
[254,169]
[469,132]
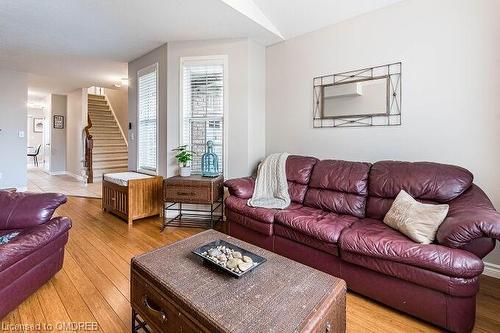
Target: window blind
[203,109]
[147,106]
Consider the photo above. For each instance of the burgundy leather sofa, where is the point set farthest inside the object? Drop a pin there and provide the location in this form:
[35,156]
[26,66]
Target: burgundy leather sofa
[30,259]
[335,224]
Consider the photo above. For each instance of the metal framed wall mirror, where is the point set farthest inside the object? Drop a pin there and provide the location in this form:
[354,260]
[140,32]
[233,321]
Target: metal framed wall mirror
[365,97]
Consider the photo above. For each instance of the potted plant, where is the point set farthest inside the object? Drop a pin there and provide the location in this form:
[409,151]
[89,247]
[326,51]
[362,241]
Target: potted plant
[184,156]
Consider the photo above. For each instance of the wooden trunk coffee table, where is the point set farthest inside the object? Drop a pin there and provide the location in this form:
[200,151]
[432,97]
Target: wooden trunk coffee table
[173,291]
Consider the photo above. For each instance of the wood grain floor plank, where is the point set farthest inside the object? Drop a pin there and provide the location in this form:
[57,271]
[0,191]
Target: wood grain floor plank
[52,306]
[118,302]
[74,304]
[106,317]
[105,265]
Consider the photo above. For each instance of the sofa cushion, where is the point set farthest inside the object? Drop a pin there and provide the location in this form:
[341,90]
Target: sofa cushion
[416,220]
[316,223]
[255,218]
[372,238]
[462,287]
[298,174]
[425,181]
[260,214]
[24,209]
[301,238]
[339,187]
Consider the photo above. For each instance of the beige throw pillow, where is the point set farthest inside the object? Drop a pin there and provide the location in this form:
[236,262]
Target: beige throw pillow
[416,220]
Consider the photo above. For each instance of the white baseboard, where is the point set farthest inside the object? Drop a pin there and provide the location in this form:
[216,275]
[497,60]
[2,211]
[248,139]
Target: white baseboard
[57,173]
[77,177]
[492,270]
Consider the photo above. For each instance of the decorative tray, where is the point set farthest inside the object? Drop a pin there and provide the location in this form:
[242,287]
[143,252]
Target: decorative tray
[229,257]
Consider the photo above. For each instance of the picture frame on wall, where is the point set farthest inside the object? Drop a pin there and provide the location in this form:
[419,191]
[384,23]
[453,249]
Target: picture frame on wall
[58,121]
[37,125]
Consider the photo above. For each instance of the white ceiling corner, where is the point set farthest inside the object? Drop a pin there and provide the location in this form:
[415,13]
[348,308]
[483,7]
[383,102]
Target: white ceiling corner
[250,9]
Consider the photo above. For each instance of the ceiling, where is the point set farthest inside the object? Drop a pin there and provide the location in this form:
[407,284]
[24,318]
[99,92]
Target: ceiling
[297,17]
[69,44]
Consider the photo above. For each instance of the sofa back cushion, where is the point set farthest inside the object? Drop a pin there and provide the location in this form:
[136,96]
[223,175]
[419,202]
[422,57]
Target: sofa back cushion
[339,186]
[425,181]
[298,174]
[20,210]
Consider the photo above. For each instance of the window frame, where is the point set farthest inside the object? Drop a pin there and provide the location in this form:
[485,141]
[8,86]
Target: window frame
[206,60]
[140,72]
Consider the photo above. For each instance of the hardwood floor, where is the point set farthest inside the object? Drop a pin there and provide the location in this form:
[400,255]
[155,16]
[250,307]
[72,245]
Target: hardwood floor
[93,285]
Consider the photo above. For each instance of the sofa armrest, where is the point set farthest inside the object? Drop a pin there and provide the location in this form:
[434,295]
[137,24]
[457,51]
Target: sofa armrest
[241,187]
[471,216]
[31,239]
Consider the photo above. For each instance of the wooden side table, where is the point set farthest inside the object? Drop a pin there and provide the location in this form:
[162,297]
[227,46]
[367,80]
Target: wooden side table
[193,190]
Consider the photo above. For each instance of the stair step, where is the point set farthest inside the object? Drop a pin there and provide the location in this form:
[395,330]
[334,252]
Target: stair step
[111,164]
[111,156]
[99,111]
[93,96]
[109,144]
[104,130]
[103,122]
[99,172]
[95,118]
[105,126]
[97,101]
[110,150]
[107,137]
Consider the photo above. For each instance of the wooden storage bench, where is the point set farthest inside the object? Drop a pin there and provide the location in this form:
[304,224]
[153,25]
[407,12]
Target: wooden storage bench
[132,195]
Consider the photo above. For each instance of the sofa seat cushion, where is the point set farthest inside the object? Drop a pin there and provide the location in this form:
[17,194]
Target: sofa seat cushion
[372,238]
[318,225]
[255,218]
[455,286]
[301,238]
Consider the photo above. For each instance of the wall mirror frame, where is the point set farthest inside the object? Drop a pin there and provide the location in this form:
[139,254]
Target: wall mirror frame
[360,98]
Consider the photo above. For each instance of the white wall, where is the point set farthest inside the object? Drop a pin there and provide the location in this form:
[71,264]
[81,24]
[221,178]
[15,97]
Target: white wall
[75,122]
[158,55]
[34,139]
[118,98]
[13,115]
[246,104]
[451,55]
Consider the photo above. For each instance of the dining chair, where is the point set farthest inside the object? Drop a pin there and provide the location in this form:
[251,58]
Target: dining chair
[34,154]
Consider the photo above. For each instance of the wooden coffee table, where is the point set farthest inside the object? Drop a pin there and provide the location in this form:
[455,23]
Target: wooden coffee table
[173,291]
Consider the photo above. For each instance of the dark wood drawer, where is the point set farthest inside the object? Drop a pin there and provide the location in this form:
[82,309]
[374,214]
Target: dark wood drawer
[194,189]
[160,313]
[175,193]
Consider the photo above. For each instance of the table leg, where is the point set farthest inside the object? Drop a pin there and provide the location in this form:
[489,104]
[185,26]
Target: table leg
[134,329]
[211,216]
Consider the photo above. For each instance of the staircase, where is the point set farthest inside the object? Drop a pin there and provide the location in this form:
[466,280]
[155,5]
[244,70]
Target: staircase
[109,153]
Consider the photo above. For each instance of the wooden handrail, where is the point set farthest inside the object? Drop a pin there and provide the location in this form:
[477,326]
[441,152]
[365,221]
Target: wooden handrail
[89,145]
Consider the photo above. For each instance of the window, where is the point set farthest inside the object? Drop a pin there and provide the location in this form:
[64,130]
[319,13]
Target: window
[147,119]
[202,108]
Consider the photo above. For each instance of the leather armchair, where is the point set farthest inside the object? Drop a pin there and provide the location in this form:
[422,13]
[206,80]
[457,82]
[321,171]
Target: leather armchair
[36,254]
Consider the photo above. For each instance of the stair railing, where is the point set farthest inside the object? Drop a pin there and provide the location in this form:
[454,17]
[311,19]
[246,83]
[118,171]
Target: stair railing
[89,145]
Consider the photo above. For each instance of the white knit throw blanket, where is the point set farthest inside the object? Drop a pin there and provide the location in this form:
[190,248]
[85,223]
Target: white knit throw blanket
[271,187]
